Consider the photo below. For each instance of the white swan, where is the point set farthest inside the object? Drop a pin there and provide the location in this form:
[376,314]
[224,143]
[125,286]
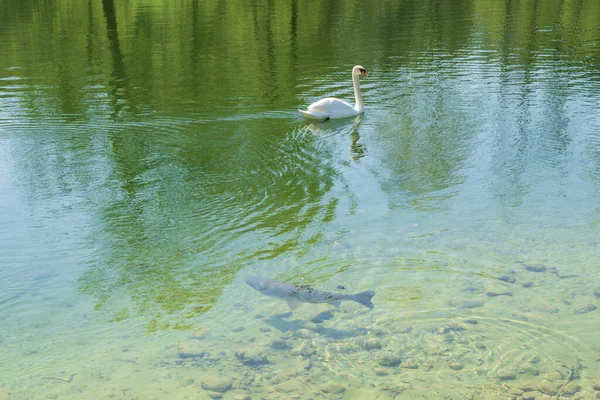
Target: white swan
[331,108]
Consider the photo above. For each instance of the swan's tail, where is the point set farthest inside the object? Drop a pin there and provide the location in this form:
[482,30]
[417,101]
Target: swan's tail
[307,114]
[310,115]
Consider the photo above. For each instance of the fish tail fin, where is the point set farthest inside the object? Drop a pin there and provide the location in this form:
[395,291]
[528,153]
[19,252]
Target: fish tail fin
[364,298]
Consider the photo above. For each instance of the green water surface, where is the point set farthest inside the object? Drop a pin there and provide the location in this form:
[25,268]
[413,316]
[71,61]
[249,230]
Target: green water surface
[152,156]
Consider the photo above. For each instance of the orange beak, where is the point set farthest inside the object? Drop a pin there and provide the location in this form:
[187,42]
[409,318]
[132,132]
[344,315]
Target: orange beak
[364,72]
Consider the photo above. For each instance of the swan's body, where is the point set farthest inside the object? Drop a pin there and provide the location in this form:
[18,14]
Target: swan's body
[332,108]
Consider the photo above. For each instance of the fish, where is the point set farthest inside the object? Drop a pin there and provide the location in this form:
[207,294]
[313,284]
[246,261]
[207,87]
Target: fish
[296,294]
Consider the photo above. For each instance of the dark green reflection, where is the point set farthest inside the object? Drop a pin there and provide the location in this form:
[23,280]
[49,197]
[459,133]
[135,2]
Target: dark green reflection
[215,57]
[177,224]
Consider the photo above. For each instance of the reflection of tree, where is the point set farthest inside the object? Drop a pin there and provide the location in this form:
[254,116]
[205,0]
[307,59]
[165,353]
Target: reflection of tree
[517,142]
[119,77]
[424,156]
[199,53]
[178,228]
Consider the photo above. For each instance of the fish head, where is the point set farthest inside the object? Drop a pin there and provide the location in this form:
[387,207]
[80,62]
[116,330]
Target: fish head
[257,282]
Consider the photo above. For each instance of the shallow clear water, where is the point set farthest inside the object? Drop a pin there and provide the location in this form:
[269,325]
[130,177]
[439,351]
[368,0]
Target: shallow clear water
[151,157]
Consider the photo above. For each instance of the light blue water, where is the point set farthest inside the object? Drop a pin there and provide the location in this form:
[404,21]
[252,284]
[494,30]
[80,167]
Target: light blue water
[151,157]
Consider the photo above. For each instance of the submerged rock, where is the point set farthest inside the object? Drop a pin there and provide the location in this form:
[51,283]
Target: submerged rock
[307,364]
[368,343]
[218,384]
[410,364]
[571,388]
[554,376]
[306,351]
[529,368]
[279,344]
[472,304]
[496,294]
[450,328]
[465,303]
[528,386]
[515,392]
[390,360]
[549,308]
[303,333]
[289,386]
[283,376]
[534,359]
[472,289]
[187,354]
[251,357]
[527,284]
[535,267]
[505,375]
[547,388]
[533,395]
[480,345]
[332,387]
[507,278]
[395,389]
[585,308]
[455,365]
[597,293]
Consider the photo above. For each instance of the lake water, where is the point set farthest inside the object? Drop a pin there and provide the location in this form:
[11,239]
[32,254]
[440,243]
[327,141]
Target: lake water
[152,157]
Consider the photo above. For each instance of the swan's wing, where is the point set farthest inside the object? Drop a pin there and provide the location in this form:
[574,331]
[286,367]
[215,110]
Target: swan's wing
[332,108]
[329,104]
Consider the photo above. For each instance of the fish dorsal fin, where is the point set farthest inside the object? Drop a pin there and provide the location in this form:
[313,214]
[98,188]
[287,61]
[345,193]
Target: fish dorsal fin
[293,304]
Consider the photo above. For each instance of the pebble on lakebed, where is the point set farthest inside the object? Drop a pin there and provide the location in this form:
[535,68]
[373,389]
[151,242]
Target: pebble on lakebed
[505,375]
[390,360]
[507,278]
[218,384]
[535,267]
[251,357]
[529,368]
[455,365]
[368,343]
[332,388]
[585,308]
[279,344]
[462,303]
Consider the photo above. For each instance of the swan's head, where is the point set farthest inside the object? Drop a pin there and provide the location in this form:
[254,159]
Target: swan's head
[359,70]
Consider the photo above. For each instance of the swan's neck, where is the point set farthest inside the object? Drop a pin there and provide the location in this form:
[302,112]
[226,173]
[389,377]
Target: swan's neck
[357,96]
